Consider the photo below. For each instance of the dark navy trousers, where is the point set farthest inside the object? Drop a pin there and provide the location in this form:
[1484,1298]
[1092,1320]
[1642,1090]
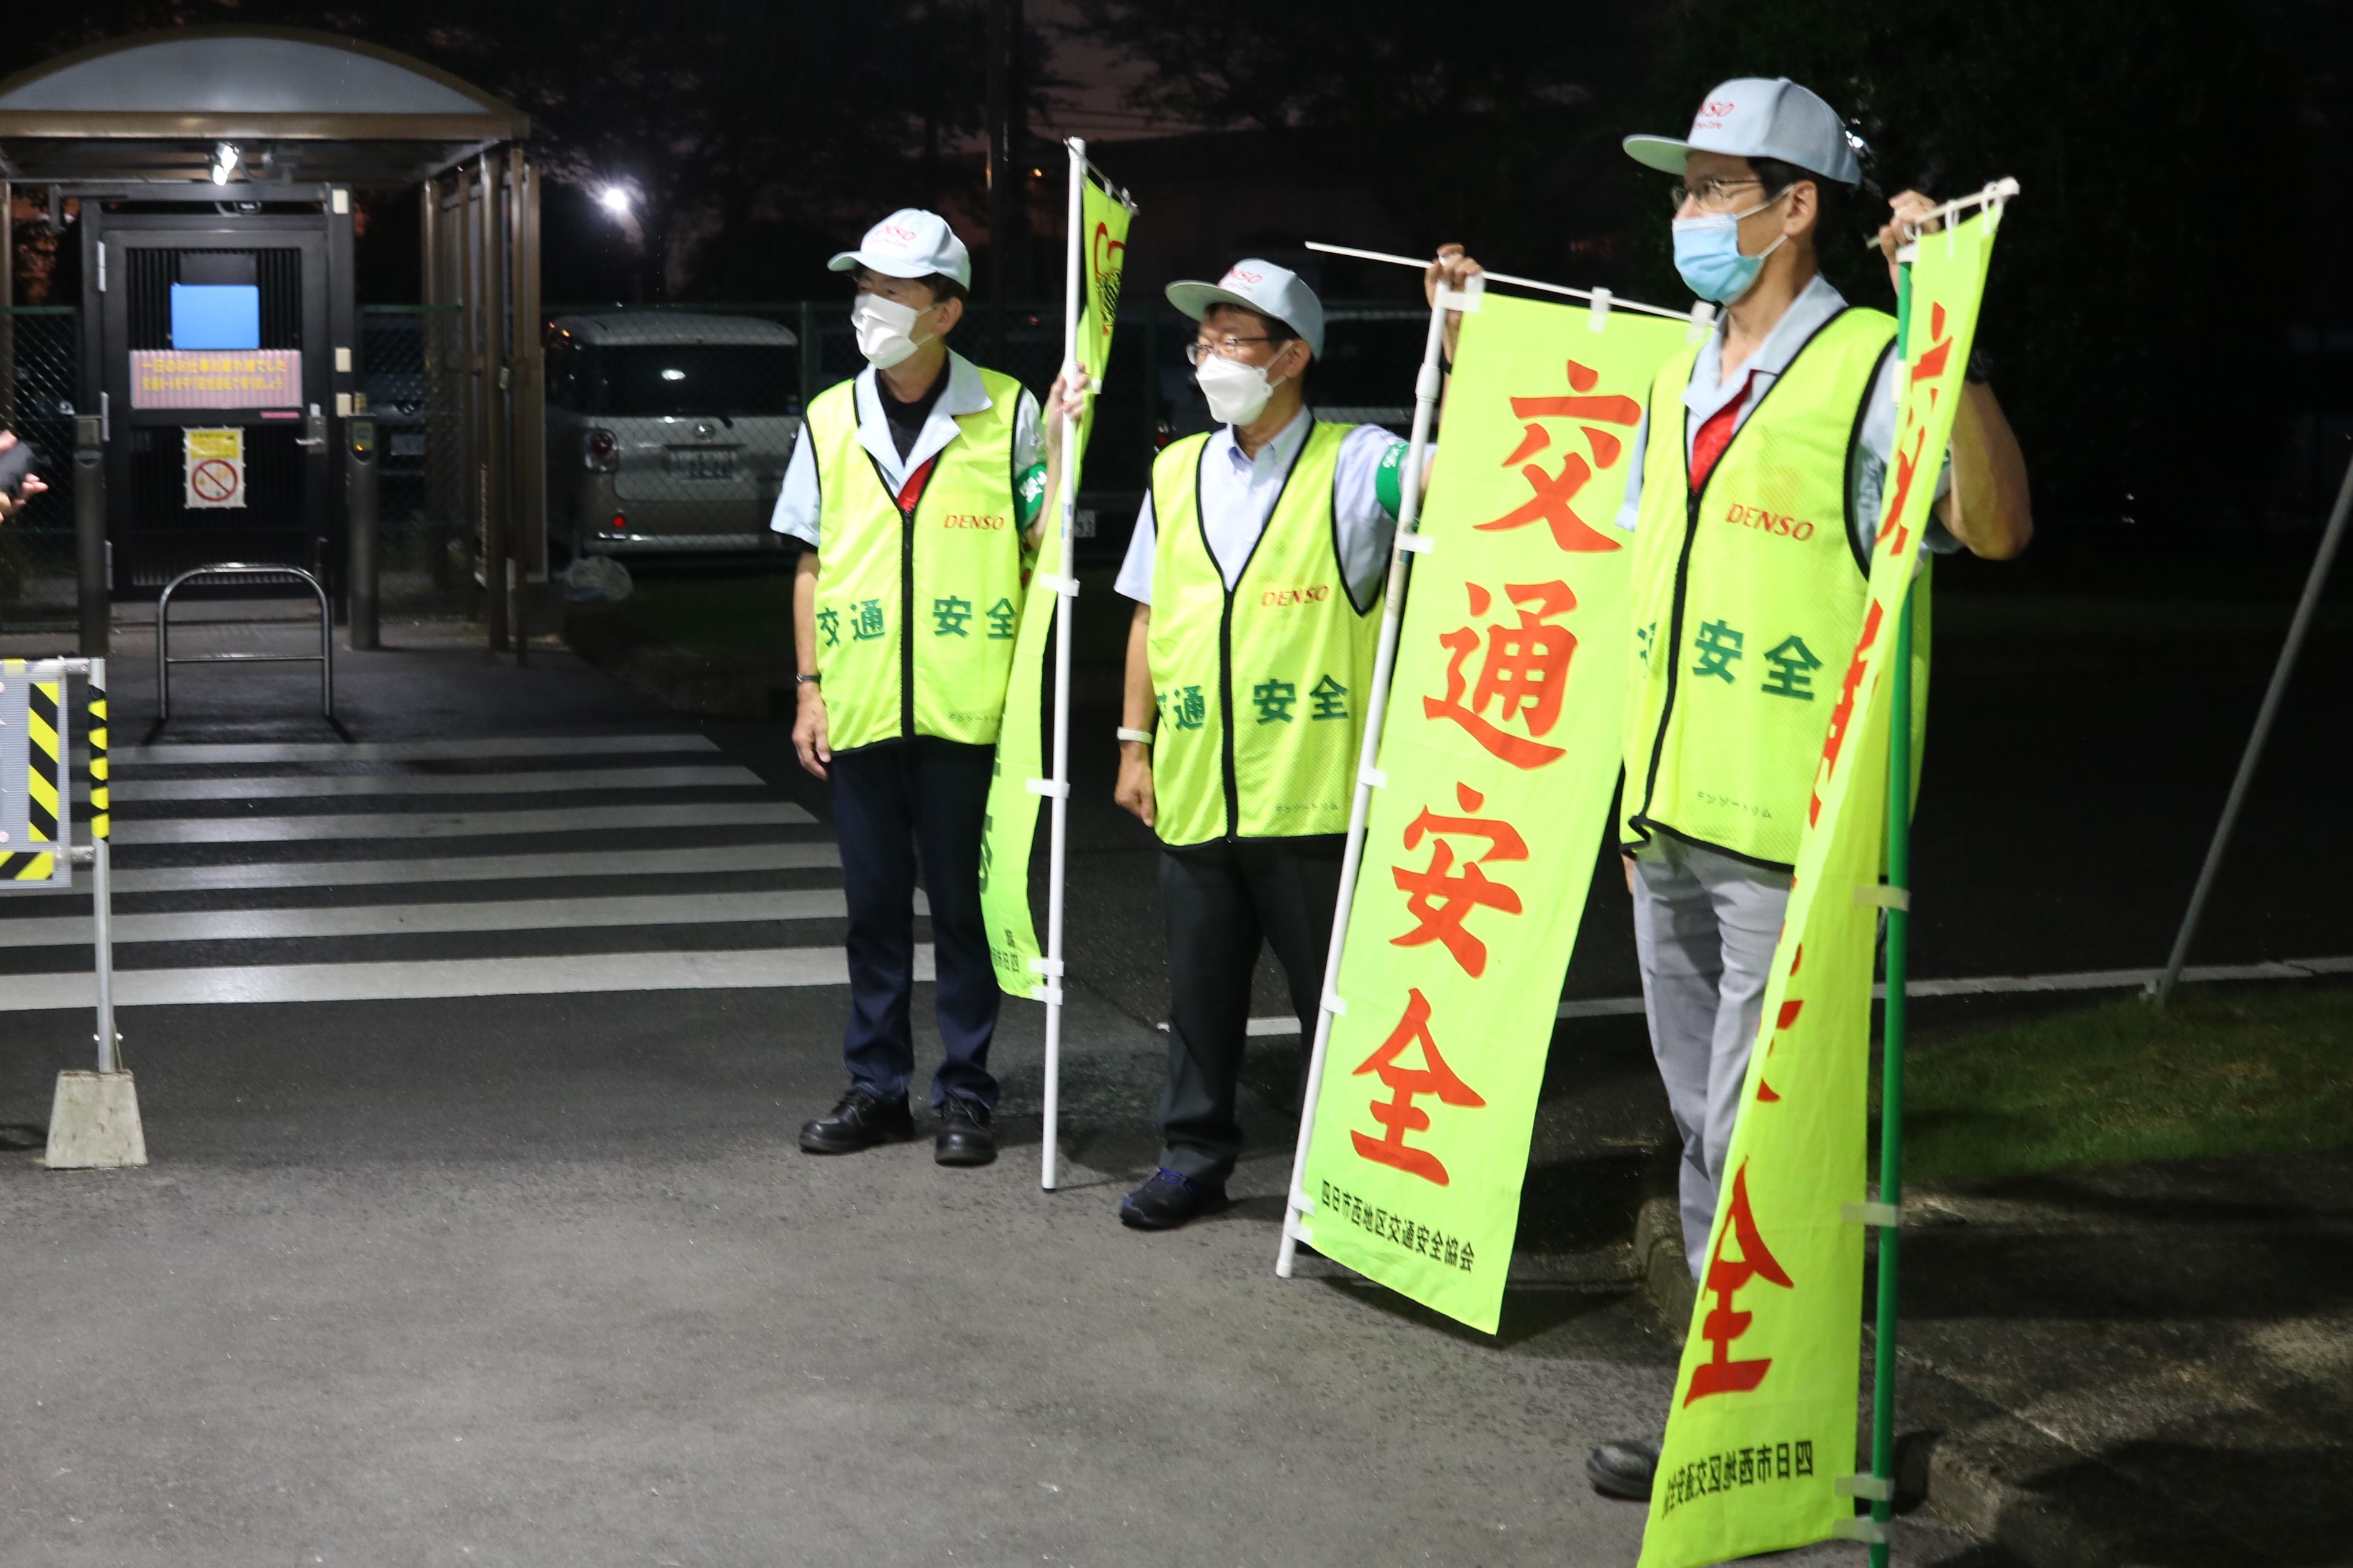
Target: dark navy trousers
[893,803]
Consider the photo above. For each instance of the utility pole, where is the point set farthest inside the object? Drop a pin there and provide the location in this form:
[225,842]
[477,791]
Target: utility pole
[1008,172]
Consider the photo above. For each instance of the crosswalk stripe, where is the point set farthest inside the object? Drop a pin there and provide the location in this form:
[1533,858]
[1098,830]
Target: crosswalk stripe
[259,874]
[300,786]
[570,974]
[453,825]
[416,751]
[396,919]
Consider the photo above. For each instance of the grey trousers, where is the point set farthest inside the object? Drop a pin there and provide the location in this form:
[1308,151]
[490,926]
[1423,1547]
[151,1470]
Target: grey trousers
[1704,929]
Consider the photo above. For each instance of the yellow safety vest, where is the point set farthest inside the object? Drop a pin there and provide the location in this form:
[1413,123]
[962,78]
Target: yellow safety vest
[916,605]
[1748,599]
[1262,687]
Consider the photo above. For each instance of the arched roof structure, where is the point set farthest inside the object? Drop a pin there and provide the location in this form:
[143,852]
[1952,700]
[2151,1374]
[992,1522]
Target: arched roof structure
[299,107]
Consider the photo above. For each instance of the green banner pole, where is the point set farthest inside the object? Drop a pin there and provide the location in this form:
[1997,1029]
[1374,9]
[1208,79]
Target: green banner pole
[1891,1102]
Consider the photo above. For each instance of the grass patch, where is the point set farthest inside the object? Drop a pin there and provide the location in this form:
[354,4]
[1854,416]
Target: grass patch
[2262,1069]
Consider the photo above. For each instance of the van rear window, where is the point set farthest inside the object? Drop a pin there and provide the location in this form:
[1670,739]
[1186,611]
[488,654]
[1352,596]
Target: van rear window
[649,379]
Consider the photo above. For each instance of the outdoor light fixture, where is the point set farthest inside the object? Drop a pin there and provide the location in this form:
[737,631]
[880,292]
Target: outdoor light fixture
[614,200]
[224,162]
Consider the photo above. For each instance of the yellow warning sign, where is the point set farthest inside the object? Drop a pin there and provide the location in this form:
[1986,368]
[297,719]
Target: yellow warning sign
[214,467]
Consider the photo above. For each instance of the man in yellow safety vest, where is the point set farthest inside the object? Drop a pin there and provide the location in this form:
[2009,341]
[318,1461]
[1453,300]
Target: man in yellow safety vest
[1256,567]
[1753,501]
[913,488]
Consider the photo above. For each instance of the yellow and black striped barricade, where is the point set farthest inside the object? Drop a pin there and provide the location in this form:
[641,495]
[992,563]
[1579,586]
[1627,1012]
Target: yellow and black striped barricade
[94,1121]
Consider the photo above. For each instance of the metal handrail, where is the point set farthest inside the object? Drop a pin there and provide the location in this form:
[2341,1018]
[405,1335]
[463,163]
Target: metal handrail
[324,657]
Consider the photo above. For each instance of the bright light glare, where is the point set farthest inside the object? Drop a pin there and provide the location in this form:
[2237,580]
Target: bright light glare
[673,376]
[614,199]
[226,158]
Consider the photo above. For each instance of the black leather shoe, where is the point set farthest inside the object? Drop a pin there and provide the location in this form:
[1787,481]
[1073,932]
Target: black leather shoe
[965,1137]
[1624,1468]
[860,1121]
[1168,1200]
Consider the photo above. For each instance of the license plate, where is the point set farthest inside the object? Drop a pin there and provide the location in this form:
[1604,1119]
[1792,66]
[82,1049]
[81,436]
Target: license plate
[698,464]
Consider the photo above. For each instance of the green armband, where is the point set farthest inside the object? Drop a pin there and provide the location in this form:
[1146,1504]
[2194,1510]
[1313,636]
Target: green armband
[1030,494]
[1389,481]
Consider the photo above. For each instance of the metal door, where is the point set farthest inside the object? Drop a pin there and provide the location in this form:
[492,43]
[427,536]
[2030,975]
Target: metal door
[287,516]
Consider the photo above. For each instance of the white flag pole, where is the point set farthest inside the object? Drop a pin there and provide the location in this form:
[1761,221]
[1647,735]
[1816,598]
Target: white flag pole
[1426,388]
[1065,585]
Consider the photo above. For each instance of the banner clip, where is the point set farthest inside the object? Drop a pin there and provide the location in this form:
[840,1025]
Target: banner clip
[1703,321]
[1474,289]
[1301,1202]
[1414,543]
[1885,1216]
[1049,994]
[1053,789]
[1334,1006]
[1056,583]
[1881,896]
[1052,966]
[1377,778]
[1871,1488]
[1864,1529]
[1601,323]
[1297,1229]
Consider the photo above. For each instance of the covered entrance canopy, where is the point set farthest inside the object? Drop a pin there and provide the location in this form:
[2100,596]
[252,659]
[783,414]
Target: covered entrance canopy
[214,169]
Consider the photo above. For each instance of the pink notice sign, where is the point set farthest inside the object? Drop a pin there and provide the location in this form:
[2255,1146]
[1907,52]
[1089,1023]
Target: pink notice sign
[216,378]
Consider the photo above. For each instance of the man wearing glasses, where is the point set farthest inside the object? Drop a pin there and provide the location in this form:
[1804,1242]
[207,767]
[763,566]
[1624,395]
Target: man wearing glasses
[1256,567]
[1753,502]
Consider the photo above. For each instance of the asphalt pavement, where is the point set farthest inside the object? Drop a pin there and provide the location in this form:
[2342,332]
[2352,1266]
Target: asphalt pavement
[524,1265]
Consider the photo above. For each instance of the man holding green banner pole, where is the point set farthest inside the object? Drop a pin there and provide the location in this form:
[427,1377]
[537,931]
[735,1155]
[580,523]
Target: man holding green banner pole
[914,488]
[1754,515]
[1256,567]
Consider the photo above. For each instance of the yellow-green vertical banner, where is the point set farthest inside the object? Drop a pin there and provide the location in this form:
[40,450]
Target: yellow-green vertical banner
[1763,1423]
[1011,826]
[1499,753]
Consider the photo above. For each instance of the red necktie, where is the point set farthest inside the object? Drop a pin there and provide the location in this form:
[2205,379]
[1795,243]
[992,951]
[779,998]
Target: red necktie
[1716,433]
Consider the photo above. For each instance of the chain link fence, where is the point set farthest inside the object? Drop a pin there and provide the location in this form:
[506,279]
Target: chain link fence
[412,375]
[40,368]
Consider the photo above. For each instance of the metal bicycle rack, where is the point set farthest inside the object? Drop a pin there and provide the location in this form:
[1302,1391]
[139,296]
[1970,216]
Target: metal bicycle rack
[324,659]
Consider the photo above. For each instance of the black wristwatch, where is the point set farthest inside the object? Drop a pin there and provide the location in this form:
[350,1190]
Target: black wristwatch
[808,680]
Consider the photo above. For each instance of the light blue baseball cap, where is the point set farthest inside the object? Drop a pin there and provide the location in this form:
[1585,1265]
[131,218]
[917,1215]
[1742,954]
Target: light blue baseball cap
[1259,286]
[1757,117]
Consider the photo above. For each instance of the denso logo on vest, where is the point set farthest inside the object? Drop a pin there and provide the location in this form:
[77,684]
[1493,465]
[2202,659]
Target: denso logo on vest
[1275,598]
[995,520]
[1779,522]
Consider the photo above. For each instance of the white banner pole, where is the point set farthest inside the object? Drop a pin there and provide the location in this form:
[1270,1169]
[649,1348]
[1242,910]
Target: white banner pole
[1066,592]
[1425,389]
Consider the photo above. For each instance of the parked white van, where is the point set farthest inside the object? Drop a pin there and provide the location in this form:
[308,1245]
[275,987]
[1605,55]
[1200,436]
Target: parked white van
[667,430]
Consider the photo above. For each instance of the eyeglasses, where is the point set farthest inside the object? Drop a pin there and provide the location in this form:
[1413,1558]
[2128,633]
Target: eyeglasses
[1713,194]
[1223,348]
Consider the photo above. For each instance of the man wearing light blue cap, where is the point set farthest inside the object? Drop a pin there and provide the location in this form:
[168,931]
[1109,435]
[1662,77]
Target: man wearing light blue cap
[1256,568]
[1753,501]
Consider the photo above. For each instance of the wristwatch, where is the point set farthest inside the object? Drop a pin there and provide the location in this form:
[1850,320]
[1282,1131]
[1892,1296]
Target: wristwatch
[1140,737]
[804,679]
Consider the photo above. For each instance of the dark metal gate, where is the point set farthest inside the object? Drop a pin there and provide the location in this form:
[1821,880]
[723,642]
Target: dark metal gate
[288,516]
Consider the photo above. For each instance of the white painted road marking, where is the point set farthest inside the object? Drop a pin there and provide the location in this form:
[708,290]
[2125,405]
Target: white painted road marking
[303,786]
[455,824]
[417,750]
[395,919]
[802,857]
[567,974]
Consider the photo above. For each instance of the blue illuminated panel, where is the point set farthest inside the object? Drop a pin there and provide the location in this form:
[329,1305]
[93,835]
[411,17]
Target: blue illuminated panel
[216,316]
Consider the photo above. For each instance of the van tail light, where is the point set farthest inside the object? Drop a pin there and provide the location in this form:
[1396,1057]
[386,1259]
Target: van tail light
[599,452]
[620,523]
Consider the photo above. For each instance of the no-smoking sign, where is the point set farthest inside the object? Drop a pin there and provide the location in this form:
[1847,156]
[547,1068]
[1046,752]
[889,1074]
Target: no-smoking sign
[214,466]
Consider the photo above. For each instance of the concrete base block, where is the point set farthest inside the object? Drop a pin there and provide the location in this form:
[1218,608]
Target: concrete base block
[94,1123]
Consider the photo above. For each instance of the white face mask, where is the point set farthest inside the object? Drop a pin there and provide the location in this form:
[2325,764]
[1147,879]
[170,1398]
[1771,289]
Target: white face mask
[1236,393]
[884,327]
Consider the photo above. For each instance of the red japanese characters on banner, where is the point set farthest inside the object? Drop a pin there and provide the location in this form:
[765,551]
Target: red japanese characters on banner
[1522,677]
[1552,503]
[1726,1278]
[1440,902]
[1399,1113]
